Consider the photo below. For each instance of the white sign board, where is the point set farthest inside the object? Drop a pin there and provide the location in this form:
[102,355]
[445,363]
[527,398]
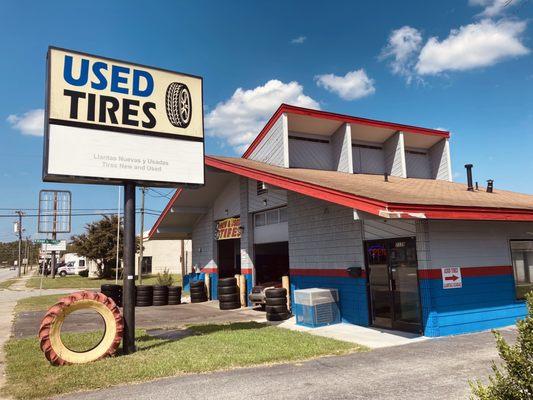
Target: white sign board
[109,121]
[61,246]
[451,278]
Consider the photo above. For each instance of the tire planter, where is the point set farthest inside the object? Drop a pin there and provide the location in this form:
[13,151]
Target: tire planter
[174,295]
[160,295]
[113,291]
[50,330]
[144,296]
[276,305]
[229,297]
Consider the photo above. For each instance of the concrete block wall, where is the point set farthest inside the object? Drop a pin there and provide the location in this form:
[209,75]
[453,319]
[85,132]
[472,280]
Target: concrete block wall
[487,298]
[324,240]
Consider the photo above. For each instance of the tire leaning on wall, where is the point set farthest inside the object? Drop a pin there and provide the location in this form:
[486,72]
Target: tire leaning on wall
[50,330]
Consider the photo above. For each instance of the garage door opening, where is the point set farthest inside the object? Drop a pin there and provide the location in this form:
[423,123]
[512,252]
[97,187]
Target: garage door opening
[229,257]
[271,262]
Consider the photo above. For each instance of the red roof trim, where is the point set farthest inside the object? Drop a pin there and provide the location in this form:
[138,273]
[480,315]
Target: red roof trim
[373,206]
[286,108]
[167,209]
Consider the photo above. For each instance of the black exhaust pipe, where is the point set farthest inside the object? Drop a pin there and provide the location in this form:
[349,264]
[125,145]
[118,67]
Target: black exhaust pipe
[490,185]
[469,177]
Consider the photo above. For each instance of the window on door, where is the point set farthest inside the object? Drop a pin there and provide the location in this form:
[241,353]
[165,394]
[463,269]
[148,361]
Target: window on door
[522,256]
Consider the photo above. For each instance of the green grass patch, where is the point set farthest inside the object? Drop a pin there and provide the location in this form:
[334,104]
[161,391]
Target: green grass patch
[38,303]
[7,283]
[209,348]
[79,282]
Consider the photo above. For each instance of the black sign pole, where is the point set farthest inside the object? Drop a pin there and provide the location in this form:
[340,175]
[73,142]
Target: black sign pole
[128,289]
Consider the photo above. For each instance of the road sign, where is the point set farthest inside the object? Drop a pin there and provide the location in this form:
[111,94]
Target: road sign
[451,278]
[60,246]
[47,241]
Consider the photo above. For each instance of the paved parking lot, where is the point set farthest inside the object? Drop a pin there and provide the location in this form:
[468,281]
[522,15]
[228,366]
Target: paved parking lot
[430,370]
[27,323]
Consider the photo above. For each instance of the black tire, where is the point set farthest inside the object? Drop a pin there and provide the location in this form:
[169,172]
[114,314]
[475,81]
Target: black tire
[160,298]
[145,289]
[276,301]
[63,273]
[225,282]
[198,292]
[276,293]
[229,305]
[198,299]
[110,287]
[197,284]
[160,303]
[173,302]
[178,104]
[174,289]
[278,317]
[229,298]
[276,309]
[228,290]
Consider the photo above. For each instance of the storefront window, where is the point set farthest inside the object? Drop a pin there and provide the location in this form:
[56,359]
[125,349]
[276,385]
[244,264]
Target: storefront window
[522,256]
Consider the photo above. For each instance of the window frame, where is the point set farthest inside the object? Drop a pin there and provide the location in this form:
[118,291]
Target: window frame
[517,296]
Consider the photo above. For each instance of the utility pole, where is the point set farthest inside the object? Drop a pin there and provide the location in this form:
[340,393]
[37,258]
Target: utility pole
[26,255]
[19,231]
[141,249]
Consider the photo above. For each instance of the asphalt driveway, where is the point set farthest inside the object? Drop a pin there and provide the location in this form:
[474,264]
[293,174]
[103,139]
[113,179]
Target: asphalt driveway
[429,370]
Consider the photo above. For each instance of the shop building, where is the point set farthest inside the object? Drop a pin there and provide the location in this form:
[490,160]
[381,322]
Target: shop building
[366,207]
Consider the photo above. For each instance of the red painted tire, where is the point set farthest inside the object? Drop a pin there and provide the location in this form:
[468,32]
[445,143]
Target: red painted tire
[50,330]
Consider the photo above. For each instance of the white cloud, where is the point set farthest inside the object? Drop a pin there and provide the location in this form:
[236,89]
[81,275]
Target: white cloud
[298,40]
[402,47]
[353,85]
[30,123]
[239,119]
[472,46]
[493,8]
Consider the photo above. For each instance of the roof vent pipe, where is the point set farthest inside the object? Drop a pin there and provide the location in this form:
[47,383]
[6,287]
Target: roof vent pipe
[386,176]
[490,185]
[469,177]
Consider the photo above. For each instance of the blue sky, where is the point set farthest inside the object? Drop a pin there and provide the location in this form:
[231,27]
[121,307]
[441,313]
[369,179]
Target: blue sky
[463,65]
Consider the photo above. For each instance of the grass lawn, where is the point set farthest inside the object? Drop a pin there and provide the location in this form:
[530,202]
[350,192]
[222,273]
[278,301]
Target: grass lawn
[78,282]
[210,348]
[38,303]
[7,283]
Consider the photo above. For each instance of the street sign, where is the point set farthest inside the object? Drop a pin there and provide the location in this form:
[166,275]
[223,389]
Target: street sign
[110,121]
[451,278]
[47,241]
[60,246]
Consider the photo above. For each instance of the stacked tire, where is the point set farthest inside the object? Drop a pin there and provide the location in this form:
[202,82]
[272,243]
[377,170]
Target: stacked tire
[276,305]
[174,295]
[114,292]
[144,296]
[229,297]
[198,292]
[160,295]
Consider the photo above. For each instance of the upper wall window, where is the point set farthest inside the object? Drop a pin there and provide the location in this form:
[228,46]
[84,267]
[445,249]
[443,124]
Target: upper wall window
[270,217]
[368,159]
[522,256]
[261,188]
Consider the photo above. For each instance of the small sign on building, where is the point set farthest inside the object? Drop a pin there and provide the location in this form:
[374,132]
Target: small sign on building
[451,278]
[229,228]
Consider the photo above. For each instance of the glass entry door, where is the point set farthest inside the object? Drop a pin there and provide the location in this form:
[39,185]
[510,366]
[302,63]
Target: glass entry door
[393,283]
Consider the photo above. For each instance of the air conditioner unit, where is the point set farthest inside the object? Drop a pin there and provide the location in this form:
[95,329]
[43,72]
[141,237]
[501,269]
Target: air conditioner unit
[316,307]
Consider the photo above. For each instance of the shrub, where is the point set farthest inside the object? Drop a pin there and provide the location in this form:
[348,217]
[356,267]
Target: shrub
[165,278]
[514,379]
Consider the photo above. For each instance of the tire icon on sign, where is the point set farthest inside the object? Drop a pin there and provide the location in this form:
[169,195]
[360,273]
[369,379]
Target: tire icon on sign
[178,103]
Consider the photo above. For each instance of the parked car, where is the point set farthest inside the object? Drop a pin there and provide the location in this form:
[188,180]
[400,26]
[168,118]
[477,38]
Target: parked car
[72,267]
[258,296]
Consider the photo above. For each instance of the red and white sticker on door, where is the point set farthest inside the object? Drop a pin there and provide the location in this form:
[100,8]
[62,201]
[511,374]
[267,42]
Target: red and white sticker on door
[451,278]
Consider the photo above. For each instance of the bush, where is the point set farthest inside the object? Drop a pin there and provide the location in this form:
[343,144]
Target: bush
[165,278]
[514,379]
[84,274]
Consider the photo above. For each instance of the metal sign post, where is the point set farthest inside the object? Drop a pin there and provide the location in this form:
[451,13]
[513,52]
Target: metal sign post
[128,288]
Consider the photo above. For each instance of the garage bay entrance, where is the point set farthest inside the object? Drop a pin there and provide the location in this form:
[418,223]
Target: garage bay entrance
[393,284]
[229,257]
